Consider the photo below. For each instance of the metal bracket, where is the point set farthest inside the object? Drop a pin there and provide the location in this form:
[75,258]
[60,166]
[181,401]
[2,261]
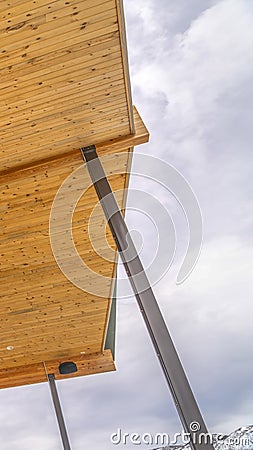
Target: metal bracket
[187,407]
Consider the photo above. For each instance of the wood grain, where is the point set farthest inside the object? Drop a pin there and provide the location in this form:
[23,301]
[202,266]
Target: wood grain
[62,78]
[64,84]
[37,373]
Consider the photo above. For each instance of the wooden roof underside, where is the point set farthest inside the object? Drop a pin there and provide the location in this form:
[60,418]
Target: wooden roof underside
[64,84]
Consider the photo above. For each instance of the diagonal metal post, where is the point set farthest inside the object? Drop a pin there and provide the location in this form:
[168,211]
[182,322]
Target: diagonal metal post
[58,412]
[187,407]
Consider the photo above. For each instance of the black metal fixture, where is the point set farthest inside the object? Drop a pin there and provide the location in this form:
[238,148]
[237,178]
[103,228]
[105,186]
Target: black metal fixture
[173,370]
[67,367]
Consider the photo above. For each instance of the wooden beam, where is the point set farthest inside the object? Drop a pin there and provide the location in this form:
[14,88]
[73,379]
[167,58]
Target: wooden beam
[37,373]
[64,149]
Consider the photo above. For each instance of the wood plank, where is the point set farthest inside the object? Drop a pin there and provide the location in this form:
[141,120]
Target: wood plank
[36,300]
[38,52]
[141,136]
[29,70]
[124,56]
[10,18]
[40,49]
[14,8]
[22,41]
[61,94]
[54,81]
[5,5]
[62,108]
[66,117]
[78,114]
[30,374]
[111,126]
[39,60]
[59,82]
[70,148]
[44,31]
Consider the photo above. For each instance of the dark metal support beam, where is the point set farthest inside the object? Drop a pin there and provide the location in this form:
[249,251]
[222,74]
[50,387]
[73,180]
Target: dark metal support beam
[187,407]
[58,411]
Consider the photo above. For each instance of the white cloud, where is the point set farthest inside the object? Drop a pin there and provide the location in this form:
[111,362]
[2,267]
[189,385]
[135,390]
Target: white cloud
[210,318]
[195,93]
[209,60]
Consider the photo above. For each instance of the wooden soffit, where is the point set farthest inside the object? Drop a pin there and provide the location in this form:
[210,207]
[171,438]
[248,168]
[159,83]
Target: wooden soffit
[64,84]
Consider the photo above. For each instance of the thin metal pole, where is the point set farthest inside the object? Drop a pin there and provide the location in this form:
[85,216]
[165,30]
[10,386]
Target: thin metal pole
[187,407]
[58,411]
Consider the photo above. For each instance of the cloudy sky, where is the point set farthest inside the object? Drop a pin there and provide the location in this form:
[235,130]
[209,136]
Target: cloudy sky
[191,69]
